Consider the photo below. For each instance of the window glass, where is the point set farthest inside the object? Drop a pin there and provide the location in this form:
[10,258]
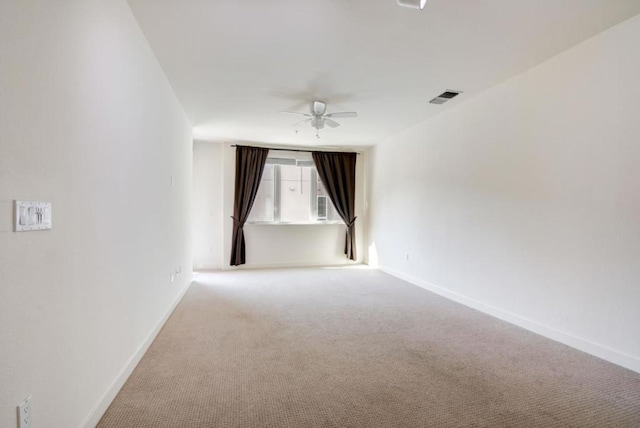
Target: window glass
[262,209]
[295,195]
[291,192]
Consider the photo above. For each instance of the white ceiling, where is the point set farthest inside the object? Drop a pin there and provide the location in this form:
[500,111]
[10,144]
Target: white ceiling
[234,64]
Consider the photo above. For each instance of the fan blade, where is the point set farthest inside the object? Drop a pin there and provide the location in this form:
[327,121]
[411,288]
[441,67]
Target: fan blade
[332,123]
[342,114]
[295,113]
[302,121]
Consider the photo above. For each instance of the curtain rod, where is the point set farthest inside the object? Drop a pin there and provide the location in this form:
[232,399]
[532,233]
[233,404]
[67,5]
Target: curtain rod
[292,150]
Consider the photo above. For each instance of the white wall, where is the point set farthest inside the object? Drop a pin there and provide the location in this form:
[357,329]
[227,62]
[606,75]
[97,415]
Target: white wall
[524,201]
[207,205]
[88,122]
[267,245]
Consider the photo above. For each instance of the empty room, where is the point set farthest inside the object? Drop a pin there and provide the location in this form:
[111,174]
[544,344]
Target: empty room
[334,213]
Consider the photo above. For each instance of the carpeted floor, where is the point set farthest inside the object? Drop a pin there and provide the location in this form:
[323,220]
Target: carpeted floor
[358,348]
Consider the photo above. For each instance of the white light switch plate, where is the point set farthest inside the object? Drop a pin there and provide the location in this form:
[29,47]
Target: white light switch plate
[32,216]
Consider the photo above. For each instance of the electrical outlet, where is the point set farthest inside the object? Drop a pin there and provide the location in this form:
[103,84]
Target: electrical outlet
[24,413]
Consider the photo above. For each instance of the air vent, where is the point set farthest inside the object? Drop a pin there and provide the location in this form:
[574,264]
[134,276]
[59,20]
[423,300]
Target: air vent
[445,96]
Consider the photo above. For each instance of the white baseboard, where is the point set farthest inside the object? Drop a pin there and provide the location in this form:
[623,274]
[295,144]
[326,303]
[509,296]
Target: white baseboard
[101,406]
[601,351]
[335,263]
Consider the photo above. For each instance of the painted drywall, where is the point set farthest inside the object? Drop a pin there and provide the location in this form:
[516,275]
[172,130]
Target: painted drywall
[208,210]
[267,245]
[523,201]
[89,123]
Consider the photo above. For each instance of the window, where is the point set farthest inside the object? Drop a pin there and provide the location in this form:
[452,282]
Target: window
[292,192]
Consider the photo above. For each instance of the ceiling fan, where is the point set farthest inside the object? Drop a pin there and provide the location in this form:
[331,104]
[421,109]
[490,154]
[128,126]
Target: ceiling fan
[318,118]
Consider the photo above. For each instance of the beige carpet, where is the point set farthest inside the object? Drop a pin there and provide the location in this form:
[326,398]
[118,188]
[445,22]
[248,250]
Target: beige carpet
[358,348]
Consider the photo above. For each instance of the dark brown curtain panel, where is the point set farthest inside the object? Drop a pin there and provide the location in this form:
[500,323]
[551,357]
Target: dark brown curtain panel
[249,167]
[338,174]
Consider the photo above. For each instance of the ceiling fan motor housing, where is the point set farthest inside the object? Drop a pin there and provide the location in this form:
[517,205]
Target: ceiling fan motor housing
[317,122]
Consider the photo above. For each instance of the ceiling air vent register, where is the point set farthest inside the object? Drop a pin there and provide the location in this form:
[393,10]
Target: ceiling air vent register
[445,96]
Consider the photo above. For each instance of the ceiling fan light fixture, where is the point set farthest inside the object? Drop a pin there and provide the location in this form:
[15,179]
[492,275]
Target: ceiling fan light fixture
[414,4]
[317,122]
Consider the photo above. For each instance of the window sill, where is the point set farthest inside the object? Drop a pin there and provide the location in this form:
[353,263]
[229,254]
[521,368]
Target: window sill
[310,223]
